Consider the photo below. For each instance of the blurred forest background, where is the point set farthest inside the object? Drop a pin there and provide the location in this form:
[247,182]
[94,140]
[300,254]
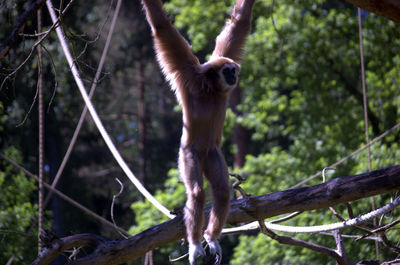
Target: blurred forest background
[299,109]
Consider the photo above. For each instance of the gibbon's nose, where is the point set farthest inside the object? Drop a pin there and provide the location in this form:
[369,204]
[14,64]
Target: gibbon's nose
[229,75]
[231,80]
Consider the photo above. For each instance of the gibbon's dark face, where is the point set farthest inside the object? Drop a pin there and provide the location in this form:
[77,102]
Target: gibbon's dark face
[222,70]
[230,75]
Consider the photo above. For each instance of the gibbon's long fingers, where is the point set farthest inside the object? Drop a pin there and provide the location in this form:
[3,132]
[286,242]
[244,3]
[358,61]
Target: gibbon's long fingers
[230,42]
[173,51]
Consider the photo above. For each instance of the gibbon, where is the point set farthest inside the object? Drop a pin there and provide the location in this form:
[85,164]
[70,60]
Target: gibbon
[202,90]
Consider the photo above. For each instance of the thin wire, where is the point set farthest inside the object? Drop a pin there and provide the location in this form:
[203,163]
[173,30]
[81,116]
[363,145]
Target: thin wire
[349,156]
[41,131]
[98,122]
[364,91]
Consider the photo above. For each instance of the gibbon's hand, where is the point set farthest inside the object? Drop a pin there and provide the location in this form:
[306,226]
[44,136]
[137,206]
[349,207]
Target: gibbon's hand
[195,250]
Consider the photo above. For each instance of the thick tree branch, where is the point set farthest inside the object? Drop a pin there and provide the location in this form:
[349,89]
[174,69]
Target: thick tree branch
[247,209]
[60,245]
[387,8]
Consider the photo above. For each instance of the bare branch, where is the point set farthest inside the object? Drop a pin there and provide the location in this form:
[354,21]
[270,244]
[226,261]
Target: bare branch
[301,243]
[33,48]
[18,28]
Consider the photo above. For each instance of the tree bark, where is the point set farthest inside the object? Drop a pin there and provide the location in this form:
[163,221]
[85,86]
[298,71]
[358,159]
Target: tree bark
[387,8]
[247,209]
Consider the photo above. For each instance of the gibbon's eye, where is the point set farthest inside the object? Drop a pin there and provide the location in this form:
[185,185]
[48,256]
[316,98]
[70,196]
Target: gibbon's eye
[229,75]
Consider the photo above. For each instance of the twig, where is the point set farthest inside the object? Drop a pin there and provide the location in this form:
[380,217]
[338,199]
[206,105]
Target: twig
[386,242]
[297,242]
[380,229]
[285,218]
[21,20]
[47,33]
[112,205]
[340,249]
[352,236]
[236,184]
[391,262]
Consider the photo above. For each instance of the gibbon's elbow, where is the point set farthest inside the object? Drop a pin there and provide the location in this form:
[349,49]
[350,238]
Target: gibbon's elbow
[158,29]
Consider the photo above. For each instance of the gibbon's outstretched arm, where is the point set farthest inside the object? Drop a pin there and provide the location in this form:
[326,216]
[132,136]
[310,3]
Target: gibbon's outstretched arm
[230,42]
[173,51]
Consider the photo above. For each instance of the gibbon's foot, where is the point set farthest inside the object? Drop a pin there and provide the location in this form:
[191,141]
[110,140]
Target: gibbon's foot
[215,249]
[195,250]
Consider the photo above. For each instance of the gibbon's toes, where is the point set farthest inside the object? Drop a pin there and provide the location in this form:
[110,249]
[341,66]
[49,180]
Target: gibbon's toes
[215,249]
[195,250]
[214,245]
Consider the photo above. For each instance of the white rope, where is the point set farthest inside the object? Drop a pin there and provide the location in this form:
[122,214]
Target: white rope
[319,228]
[97,120]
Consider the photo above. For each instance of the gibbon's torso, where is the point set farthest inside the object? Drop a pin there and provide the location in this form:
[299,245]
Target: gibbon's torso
[203,108]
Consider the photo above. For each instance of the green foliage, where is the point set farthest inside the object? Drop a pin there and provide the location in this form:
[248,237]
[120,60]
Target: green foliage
[303,93]
[172,195]
[146,215]
[16,211]
[301,102]
[301,106]
[188,14]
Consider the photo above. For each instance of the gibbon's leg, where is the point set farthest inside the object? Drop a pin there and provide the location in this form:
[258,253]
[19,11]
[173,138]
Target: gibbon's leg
[216,172]
[191,174]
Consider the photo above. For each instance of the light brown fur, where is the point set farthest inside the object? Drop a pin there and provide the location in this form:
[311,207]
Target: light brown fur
[202,91]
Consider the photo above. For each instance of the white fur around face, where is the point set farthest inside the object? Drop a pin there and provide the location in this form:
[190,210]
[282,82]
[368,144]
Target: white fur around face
[225,85]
